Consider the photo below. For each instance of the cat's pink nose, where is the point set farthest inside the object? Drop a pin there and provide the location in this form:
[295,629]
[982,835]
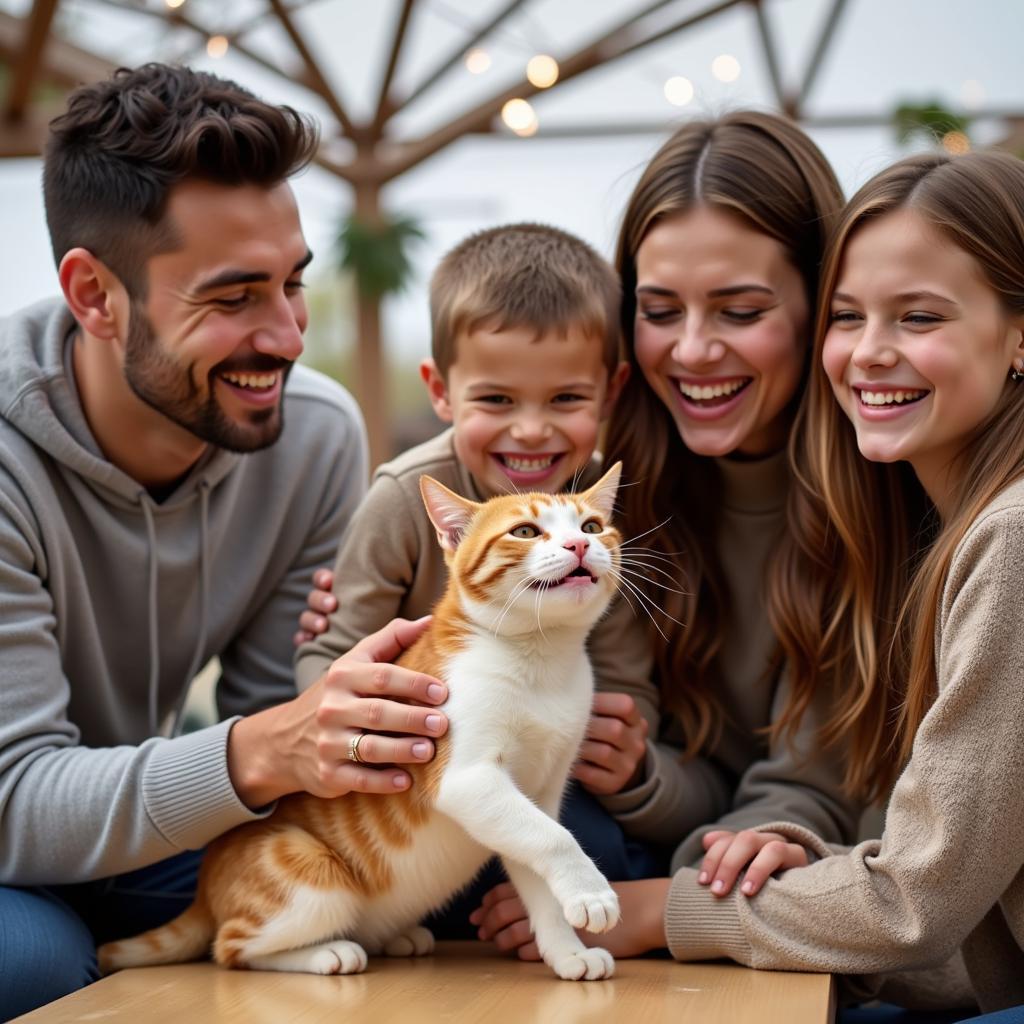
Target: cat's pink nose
[578,547]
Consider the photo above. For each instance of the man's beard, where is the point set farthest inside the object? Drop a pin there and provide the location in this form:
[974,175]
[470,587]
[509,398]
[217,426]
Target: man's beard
[169,387]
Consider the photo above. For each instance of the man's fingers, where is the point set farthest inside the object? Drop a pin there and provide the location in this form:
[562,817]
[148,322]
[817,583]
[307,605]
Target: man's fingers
[377,749]
[321,601]
[384,682]
[354,778]
[389,641]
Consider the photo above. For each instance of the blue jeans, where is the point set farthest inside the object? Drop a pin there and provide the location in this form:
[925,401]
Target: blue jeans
[48,935]
[1014,1015]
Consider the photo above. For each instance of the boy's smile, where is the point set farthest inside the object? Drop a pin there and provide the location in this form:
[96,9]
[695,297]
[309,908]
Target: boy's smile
[526,407]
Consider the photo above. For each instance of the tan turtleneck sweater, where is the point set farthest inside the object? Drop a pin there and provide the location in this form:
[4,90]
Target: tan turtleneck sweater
[948,871]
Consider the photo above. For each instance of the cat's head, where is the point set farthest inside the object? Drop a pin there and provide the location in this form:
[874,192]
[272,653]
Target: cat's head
[523,562]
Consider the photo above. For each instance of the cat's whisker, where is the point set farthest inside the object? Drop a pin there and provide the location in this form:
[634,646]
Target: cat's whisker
[647,603]
[640,569]
[653,582]
[520,588]
[639,536]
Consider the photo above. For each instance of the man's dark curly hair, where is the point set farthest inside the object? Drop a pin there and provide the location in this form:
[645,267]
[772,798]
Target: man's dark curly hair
[114,156]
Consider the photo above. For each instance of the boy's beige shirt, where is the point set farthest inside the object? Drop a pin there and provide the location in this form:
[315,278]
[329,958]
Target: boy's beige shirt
[390,564]
[949,869]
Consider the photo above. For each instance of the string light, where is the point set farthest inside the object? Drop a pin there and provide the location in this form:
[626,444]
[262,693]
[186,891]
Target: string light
[542,71]
[174,4]
[477,61]
[217,46]
[679,90]
[725,67]
[520,117]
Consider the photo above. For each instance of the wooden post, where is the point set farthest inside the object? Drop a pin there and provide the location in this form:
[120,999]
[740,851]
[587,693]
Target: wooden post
[371,362]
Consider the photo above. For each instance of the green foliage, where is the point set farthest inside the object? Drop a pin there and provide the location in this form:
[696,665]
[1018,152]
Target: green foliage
[930,120]
[378,254]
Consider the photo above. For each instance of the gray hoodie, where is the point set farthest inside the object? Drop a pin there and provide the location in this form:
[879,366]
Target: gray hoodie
[110,601]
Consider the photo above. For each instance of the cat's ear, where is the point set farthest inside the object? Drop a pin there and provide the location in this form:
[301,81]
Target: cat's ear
[602,495]
[449,512]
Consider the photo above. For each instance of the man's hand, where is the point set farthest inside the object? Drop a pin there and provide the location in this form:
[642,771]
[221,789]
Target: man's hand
[761,853]
[611,756]
[305,744]
[320,602]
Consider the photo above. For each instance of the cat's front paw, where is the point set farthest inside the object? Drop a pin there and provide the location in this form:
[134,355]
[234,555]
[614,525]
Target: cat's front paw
[585,965]
[595,911]
[418,941]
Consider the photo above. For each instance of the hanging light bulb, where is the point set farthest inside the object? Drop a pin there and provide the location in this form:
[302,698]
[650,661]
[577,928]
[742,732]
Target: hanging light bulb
[217,46]
[725,67]
[542,71]
[679,90]
[174,4]
[520,117]
[477,61]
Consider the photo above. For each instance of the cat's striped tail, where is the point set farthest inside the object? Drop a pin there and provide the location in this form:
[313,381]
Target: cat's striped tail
[187,937]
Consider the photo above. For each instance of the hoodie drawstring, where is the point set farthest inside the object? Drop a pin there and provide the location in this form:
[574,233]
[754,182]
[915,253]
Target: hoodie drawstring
[154,617]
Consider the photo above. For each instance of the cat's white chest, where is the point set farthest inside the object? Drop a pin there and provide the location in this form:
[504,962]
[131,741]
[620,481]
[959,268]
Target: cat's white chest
[520,711]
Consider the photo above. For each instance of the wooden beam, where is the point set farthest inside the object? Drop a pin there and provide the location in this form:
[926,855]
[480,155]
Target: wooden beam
[824,41]
[317,81]
[611,46]
[385,107]
[63,64]
[771,58]
[24,70]
[456,55]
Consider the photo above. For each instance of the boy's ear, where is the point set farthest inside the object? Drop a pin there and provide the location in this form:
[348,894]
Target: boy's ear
[616,382]
[437,389]
[94,294]
[602,495]
[449,512]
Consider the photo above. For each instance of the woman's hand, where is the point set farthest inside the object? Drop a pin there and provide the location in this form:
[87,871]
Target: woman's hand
[761,853]
[501,918]
[320,602]
[612,754]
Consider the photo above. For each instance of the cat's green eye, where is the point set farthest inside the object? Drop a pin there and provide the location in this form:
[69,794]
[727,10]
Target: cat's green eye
[525,531]
[592,526]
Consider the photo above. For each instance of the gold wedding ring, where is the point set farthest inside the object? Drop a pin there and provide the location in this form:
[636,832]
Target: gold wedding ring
[353,748]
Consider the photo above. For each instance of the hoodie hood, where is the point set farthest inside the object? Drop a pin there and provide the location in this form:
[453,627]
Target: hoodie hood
[38,396]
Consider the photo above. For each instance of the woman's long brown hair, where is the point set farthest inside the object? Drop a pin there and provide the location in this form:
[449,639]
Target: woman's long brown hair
[762,168]
[856,589]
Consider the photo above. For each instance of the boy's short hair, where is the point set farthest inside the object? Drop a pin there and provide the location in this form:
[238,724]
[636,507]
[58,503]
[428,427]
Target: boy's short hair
[523,275]
[113,158]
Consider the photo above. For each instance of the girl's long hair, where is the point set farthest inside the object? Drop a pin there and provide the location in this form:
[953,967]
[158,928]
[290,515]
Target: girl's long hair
[857,586]
[764,169]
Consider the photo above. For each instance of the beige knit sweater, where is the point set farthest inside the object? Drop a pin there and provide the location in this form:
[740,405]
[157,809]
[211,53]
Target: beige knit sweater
[949,870]
[389,564]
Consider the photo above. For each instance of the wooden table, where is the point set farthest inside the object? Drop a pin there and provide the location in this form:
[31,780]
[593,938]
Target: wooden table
[461,982]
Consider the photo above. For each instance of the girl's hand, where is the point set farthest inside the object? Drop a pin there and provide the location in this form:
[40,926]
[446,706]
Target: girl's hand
[612,754]
[501,919]
[320,602]
[762,853]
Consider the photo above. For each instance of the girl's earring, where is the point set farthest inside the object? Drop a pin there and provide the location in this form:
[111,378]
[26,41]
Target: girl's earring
[1017,370]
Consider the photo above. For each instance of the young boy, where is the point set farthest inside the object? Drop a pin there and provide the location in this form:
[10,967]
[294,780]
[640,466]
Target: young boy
[525,367]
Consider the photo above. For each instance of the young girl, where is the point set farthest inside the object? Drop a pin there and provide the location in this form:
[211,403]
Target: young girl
[919,365]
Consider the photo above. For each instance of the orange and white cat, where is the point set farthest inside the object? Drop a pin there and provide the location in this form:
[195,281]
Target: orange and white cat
[321,883]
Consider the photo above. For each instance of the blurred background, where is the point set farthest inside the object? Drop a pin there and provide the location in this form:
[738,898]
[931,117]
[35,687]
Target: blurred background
[442,117]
